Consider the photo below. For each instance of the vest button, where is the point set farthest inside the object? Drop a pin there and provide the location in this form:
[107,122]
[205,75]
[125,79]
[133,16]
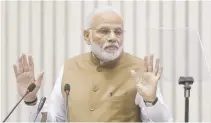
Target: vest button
[99,69]
[95,88]
[91,108]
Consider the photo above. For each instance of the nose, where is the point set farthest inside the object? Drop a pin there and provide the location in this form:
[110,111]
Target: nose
[111,41]
[112,37]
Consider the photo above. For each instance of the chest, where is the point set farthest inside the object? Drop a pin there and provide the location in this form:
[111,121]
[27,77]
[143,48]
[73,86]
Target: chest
[100,93]
[91,84]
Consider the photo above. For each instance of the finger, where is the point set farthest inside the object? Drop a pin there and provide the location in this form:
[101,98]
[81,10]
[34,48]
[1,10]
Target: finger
[25,64]
[150,65]
[39,79]
[156,72]
[160,72]
[31,64]
[145,64]
[15,70]
[133,74]
[157,64]
[20,65]
[137,76]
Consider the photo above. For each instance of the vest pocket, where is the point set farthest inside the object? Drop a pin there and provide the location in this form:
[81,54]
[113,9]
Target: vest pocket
[123,108]
[122,103]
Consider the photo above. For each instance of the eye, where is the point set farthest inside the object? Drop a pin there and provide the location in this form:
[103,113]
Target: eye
[118,32]
[104,30]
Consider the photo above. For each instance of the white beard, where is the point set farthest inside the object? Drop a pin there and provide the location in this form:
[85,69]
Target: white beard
[103,55]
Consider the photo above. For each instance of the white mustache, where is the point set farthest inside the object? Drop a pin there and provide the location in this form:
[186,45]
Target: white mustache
[109,45]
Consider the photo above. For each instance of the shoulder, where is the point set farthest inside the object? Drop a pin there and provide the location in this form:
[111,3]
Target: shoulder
[131,62]
[128,58]
[73,61]
[80,57]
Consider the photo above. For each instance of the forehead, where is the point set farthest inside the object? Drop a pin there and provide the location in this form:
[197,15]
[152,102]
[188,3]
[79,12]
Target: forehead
[107,19]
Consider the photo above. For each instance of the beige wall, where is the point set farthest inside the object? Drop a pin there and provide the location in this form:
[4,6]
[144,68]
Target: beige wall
[51,32]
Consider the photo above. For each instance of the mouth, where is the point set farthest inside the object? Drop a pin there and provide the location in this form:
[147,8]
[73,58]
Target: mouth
[111,48]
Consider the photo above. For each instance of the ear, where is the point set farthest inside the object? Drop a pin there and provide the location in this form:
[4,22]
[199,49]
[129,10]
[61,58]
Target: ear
[86,36]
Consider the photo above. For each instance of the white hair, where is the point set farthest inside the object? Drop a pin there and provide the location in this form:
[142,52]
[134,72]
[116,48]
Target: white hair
[98,11]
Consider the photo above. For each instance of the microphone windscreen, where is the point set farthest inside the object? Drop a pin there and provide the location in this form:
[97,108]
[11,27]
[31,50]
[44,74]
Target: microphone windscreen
[42,102]
[67,87]
[31,87]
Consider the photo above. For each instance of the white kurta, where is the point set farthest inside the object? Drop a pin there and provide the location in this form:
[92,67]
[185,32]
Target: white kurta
[55,107]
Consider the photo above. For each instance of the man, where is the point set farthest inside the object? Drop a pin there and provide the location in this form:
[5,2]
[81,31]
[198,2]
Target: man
[107,84]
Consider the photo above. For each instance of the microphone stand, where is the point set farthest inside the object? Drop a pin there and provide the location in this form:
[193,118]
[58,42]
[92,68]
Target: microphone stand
[15,106]
[67,92]
[67,109]
[30,88]
[186,81]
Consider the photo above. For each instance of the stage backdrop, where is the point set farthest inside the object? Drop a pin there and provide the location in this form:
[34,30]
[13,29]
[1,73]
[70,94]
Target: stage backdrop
[51,32]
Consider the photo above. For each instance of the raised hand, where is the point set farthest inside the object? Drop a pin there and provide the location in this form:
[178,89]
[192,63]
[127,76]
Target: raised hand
[24,72]
[146,83]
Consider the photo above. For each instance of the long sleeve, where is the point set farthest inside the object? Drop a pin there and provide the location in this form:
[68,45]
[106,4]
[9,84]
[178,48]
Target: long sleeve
[54,106]
[157,113]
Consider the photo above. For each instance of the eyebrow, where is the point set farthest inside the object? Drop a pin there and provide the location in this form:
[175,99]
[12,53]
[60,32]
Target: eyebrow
[119,26]
[116,28]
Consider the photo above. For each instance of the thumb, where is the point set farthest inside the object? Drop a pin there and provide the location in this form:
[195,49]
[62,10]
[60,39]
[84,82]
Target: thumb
[134,75]
[39,78]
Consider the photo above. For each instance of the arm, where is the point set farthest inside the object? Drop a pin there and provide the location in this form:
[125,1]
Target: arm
[54,108]
[148,91]
[157,113]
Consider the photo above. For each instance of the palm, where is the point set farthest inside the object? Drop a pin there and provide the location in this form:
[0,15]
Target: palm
[23,81]
[24,72]
[147,87]
[147,82]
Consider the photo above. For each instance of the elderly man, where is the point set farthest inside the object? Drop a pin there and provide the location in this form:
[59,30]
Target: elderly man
[107,84]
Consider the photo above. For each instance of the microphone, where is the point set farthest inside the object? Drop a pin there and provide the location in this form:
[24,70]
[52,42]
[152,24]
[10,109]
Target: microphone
[30,88]
[67,91]
[40,106]
[67,88]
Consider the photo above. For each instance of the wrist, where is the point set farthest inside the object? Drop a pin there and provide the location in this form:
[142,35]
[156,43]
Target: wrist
[151,103]
[31,102]
[152,99]
[30,98]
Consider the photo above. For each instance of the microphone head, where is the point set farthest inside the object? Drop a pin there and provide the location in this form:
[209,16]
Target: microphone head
[67,87]
[44,99]
[31,87]
[42,102]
